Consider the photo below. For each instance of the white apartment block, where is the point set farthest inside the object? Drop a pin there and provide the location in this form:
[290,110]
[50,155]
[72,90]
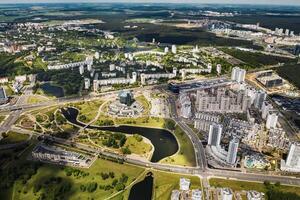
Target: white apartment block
[222,101]
[238,74]
[271,120]
[185,105]
[292,163]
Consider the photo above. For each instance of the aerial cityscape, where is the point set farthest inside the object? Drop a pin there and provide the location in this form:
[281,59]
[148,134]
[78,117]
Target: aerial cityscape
[149,101]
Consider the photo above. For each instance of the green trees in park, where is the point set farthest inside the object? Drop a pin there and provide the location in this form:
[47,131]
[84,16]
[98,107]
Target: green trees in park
[291,73]
[115,140]
[71,81]
[169,124]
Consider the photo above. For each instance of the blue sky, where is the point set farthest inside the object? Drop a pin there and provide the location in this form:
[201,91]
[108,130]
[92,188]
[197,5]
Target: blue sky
[286,2]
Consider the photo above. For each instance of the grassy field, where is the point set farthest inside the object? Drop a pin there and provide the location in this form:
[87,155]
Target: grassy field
[36,99]
[242,185]
[144,102]
[13,137]
[135,143]
[140,121]
[186,154]
[291,73]
[137,147]
[88,110]
[164,183]
[76,182]
[2,117]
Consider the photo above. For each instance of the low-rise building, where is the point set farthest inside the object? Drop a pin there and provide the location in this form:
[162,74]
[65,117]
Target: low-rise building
[184,184]
[254,195]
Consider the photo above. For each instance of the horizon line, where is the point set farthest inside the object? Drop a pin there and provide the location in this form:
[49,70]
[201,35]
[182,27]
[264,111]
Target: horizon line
[122,2]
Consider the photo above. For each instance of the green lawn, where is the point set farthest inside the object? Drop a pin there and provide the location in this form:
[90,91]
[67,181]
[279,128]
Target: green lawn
[145,103]
[36,99]
[137,147]
[243,185]
[165,182]
[47,172]
[2,117]
[186,154]
[87,109]
[13,137]
[135,143]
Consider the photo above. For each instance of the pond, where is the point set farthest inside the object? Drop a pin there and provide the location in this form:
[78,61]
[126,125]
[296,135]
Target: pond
[164,142]
[52,90]
[143,189]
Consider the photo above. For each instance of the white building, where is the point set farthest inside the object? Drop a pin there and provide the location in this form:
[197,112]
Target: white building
[196,194]
[260,99]
[226,194]
[222,101]
[81,69]
[271,120]
[112,67]
[215,132]
[166,49]
[3,97]
[232,151]
[21,78]
[254,195]
[174,49]
[219,69]
[184,184]
[175,195]
[238,74]
[88,61]
[185,105]
[87,83]
[97,56]
[4,80]
[112,81]
[293,160]
[266,108]
[95,83]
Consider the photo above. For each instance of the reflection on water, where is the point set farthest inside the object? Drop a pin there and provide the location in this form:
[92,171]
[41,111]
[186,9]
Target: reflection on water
[142,190]
[52,90]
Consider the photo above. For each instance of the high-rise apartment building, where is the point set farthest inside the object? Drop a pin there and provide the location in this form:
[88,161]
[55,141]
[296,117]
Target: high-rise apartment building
[232,151]
[215,132]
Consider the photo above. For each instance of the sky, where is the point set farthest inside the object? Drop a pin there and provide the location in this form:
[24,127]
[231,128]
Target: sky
[276,2]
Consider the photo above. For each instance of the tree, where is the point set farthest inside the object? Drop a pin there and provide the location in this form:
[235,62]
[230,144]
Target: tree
[169,124]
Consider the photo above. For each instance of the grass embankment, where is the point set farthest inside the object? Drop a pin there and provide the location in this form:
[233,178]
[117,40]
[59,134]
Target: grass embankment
[13,137]
[164,183]
[186,153]
[291,73]
[36,99]
[69,183]
[2,118]
[87,109]
[145,103]
[137,146]
[261,187]
[116,142]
